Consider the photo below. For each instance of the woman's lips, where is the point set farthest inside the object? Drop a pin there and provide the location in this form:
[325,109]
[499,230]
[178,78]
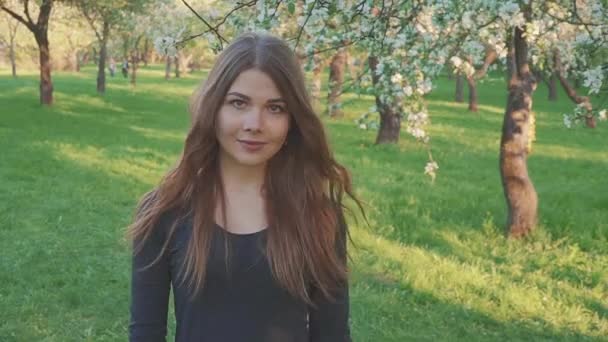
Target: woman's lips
[251,146]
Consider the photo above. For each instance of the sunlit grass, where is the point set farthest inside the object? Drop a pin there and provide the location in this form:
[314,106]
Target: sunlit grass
[433,264]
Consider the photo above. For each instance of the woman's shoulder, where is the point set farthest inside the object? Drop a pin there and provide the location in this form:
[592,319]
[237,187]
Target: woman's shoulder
[166,217]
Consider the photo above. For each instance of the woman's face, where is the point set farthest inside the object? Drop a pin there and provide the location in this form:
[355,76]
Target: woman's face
[253,120]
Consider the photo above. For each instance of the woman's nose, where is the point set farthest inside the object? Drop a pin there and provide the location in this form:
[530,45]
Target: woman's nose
[253,119]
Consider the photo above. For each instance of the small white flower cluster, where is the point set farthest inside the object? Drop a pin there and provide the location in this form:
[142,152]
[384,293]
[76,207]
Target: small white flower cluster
[166,45]
[467,20]
[593,79]
[581,113]
[397,78]
[430,169]
[510,14]
[415,125]
[368,120]
[567,121]
[462,66]
[408,91]
[424,87]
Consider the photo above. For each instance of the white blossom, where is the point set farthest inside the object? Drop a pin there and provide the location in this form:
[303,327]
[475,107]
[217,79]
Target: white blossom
[593,79]
[602,115]
[425,87]
[408,91]
[397,78]
[467,21]
[456,61]
[430,169]
[165,46]
[567,121]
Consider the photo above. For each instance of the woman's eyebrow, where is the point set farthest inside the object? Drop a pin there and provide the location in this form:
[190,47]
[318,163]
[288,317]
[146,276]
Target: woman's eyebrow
[245,97]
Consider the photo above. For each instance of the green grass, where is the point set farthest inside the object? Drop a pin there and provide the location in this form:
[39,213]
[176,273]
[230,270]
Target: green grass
[433,264]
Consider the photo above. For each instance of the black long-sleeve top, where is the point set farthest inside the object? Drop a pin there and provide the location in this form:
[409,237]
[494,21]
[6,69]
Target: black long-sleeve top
[245,305]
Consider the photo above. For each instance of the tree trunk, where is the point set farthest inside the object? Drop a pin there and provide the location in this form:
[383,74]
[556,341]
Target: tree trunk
[134,63]
[13,26]
[472,93]
[315,87]
[85,58]
[94,56]
[552,84]
[520,195]
[177,66]
[46,83]
[459,96]
[336,80]
[146,54]
[40,31]
[101,66]
[510,65]
[186,62]
[77,61]
[168,67]
[390,118]
[11,56]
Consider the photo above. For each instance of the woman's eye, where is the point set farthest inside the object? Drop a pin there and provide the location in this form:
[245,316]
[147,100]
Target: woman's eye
[276,109]
[237,103]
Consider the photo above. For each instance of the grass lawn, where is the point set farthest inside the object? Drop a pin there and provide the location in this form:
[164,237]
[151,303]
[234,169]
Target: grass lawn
[432,265]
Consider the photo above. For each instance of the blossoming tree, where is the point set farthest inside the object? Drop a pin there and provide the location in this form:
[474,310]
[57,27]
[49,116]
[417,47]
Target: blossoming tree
[409,42]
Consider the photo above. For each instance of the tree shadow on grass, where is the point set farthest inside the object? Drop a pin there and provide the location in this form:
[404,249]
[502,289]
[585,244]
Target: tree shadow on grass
[419,316]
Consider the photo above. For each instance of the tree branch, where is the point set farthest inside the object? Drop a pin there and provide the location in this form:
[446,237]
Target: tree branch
[559,71]
[211,28]
[29,25]
[490,58]
[26,10]
[91,22]
[302,27]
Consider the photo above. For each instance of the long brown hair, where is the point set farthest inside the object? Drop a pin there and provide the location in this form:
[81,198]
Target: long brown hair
[303,185]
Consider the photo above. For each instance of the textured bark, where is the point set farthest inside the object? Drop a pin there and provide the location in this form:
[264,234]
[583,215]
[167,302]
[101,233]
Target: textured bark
[336,81]
[177,65]
[77,61]
[490,57]
[390,118]
[134,65]
[46,83]
[510,64]
[13,26]
[146,55]
[103,51]
[315,87]
[472,93]
[11,56]
[520,195]
[459,94]
[167,67]
[186,62]
[40,31]
[552,84]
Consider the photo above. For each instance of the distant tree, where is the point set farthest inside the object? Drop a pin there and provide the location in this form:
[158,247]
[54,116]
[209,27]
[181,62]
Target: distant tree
[39,29]
[9,39]
[103,17]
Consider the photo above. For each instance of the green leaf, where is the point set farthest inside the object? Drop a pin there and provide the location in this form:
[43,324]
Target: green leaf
[291,7]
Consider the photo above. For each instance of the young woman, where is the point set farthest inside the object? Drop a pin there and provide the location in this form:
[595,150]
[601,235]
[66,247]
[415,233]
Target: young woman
[248,228]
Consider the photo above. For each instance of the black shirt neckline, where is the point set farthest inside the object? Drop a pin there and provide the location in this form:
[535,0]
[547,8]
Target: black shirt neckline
[243,235]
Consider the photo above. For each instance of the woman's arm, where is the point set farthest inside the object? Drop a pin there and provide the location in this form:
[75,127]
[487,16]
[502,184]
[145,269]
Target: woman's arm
[329,320]
[150,291]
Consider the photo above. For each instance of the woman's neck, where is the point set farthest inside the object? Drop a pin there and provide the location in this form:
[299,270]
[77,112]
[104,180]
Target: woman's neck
[241,178]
